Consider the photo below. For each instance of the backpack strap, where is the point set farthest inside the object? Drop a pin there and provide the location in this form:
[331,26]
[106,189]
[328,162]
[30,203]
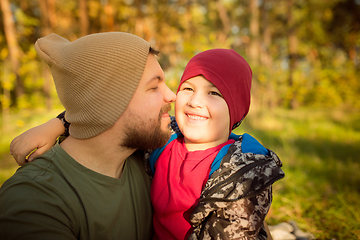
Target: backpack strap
[156,153]
[217,161]
[249,145]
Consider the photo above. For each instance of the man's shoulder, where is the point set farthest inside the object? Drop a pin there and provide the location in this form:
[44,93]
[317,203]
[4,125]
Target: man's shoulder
[35,197]
[42,176]
[39,195]
[41,168]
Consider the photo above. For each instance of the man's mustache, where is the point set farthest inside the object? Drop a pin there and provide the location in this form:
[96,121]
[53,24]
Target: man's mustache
[165,109]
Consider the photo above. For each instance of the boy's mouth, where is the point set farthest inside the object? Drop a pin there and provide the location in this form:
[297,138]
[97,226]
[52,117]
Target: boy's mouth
[195,117]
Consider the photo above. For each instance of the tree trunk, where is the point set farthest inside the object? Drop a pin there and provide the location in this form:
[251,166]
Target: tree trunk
[45,25]
[141,27]
[189,25]
[292,49]
[254,32]
[109,18]
[224,20]
[5,103]
[265,57]
[52,13]
[47,16]
[84,18]
[14,49]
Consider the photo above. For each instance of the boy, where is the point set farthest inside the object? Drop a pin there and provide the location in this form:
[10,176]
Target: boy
[208,182]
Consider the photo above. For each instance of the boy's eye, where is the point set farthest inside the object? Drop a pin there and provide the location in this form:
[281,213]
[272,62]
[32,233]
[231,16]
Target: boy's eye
[187,89]
[215,94]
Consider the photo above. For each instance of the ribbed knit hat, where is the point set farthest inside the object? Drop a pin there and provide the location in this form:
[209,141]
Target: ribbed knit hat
[230,73]
[95,76]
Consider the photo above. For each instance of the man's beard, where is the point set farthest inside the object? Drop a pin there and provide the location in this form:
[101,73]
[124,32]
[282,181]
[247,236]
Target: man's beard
[146,134]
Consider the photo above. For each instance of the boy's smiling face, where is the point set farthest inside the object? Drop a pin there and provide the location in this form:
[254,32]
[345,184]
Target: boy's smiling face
[201,114]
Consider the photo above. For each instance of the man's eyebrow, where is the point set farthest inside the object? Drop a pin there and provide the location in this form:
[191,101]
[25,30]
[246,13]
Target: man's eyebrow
[157,78]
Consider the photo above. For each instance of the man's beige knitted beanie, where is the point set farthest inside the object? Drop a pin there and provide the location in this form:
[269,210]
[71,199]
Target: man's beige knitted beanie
[95,76]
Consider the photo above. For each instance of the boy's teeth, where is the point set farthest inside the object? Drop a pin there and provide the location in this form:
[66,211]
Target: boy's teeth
[196,117]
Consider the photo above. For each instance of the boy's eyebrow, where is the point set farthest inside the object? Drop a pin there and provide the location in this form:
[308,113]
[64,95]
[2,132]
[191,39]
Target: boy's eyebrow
[210,85]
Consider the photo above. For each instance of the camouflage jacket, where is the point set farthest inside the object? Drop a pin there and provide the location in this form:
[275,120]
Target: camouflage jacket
[237,196]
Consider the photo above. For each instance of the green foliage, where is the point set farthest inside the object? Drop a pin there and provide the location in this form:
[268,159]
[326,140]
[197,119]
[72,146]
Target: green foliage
[327,63]
[25,23]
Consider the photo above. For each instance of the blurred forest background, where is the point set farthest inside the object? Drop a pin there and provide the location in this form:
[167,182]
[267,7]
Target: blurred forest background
[302,52]
[305,57]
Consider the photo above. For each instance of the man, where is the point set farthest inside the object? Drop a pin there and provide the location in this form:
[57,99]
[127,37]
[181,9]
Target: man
[93,185]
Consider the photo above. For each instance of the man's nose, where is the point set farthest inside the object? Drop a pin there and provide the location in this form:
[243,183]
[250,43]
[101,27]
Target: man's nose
[169,96]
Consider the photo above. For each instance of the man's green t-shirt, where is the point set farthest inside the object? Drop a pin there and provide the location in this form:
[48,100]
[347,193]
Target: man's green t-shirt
[55,197]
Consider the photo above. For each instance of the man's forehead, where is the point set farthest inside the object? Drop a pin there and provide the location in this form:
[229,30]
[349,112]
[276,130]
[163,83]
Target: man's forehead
[155,78]
[152,72]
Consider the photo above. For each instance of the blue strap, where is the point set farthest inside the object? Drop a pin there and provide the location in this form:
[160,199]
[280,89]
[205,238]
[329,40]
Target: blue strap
[156,153]
[216,163]
[234,136]
[251,145]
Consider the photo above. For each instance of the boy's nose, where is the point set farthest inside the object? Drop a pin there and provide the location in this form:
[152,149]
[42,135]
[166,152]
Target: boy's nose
[195,101]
